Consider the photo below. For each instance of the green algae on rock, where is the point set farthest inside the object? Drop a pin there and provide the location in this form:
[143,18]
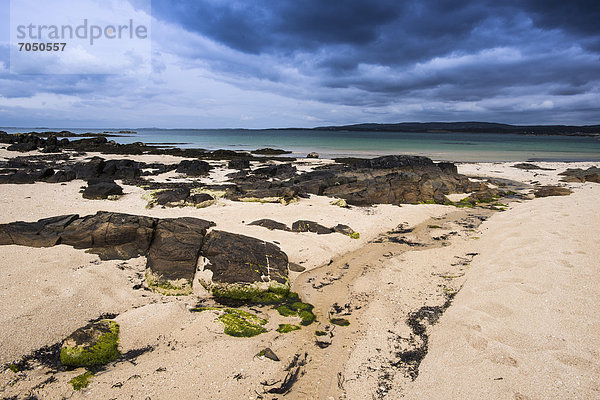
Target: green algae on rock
[81,381]
[286,328]
[95,344]
[238,323]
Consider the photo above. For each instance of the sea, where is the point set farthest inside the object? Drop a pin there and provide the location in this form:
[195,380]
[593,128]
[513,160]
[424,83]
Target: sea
[465,147]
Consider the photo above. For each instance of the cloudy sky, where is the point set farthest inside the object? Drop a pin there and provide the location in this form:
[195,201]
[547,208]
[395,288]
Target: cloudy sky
[305,63]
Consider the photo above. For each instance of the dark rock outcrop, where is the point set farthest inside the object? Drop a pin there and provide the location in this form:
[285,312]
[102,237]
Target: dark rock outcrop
[312,155]
[172,246]
[172,198]
[591,174]
[193,167]
[176,246]
[239,163]
[43,233]
[111,235]
[100,189]
[236,258]
[270,224]
[310,226]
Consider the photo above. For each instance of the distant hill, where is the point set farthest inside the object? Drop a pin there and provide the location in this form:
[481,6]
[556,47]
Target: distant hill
[471,127]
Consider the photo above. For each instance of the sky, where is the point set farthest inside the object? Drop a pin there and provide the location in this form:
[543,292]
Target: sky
[307,63]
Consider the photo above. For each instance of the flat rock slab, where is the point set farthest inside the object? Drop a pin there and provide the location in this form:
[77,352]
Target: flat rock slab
[310,226]
[43,233]
[546,191]
[270,224]
[111,235]
[237,258]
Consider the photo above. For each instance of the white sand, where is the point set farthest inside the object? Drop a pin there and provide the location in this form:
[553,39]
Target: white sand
[527,312]
[526,324]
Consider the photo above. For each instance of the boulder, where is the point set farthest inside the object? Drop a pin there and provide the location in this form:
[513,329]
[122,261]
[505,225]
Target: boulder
[111,235]
[173,197]
[312,155]
[99,190]
[239,163]
[270,224]
[343,229]
[199,198]
[22,147]
[193,167]
[296,267]
[236,258]
[93,345]
[176,246]
[90,169]
[310,226]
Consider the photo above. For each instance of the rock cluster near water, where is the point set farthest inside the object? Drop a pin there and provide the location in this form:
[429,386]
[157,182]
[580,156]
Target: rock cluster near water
[591,174]
[172,245]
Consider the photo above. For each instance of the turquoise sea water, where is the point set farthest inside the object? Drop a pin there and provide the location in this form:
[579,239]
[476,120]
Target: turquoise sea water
[439,146]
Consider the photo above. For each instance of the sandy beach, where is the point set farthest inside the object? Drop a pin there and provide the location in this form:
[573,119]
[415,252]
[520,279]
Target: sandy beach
[505,298]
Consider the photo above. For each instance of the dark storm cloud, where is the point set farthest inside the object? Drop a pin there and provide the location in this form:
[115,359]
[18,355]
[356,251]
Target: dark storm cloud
[330,41]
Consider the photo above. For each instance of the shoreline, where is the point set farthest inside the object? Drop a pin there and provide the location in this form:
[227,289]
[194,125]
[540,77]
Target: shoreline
[390,276]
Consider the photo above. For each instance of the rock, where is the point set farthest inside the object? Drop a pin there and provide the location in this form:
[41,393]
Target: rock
[199,199]
[312,155]
[395,161]
[546,191]
[529,166]
[99,190]
[310,226]
[22,147]
[275,170]
[121,169]
[344,229]
[88,170]
[267,151]
[239,163]
[93,345]
[270,224]
[193,167]
[296,267]
[43,233]
[176,246]
[111,235]
[270,354]
[448,168]
[236,258]
[21,177]
[173,198]
[61,176]
[591,174]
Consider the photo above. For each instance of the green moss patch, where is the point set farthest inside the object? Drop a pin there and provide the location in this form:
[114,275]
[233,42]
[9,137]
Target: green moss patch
[105,347]
[241,294]
[286,311]
[241,323]
[340,321]
[285,328]
[81,381]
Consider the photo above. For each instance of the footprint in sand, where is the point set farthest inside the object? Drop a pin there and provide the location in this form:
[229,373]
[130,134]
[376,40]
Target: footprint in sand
[504,359]
[477,342]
